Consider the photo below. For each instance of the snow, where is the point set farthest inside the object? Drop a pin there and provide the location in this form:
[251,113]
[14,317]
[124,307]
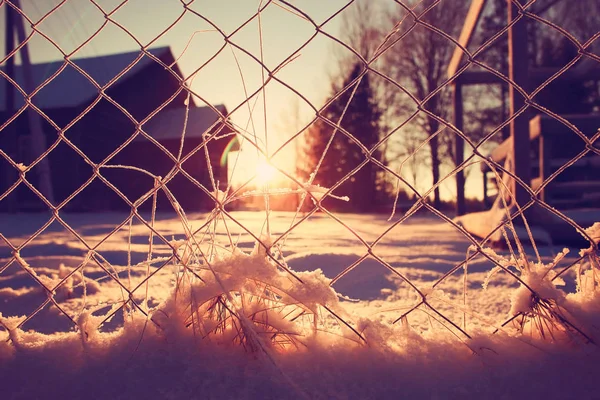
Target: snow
[485,223]
[241,326]
[545,227]
[316,191]
[594,232]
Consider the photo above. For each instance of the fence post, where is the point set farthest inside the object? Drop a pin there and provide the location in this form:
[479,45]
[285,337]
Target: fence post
[519,127]
[459,148]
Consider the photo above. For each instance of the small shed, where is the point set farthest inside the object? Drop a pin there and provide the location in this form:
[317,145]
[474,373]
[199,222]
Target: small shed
[91,115]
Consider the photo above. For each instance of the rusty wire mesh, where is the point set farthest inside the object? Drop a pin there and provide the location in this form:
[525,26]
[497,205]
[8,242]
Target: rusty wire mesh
[222,198]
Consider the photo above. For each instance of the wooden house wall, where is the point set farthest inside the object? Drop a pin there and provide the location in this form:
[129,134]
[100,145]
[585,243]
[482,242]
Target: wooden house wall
[145,155]
[97,134]
[148,89]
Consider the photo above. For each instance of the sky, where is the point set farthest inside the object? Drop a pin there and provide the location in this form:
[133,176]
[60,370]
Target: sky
[232,74]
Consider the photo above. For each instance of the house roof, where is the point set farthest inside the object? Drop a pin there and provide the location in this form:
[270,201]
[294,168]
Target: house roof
[168,124]
[70,88]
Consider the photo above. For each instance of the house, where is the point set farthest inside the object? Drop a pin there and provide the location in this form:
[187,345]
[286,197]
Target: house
[99,127]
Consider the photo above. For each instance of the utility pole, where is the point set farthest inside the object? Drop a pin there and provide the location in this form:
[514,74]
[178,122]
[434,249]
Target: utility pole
[38,139]
[10,173]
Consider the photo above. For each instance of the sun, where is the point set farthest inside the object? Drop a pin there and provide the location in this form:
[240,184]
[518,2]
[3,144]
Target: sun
[246,167]
[265,172]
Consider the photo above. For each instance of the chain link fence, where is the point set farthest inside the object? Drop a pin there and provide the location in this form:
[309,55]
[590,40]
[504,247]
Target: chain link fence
[60,154]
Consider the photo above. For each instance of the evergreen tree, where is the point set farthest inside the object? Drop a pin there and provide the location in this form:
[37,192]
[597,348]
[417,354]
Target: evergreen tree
[362,121]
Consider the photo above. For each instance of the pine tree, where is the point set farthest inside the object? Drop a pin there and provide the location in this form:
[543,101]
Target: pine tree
[362,121]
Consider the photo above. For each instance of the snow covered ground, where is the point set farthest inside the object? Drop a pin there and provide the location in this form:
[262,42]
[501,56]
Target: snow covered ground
[445,348]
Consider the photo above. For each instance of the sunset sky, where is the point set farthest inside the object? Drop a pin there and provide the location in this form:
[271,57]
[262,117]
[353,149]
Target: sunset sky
[220,82]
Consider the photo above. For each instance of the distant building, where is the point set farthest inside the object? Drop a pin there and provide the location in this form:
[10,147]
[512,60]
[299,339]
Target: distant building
[98,127]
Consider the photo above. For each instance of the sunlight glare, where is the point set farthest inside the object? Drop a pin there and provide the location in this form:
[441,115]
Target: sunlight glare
[265,172]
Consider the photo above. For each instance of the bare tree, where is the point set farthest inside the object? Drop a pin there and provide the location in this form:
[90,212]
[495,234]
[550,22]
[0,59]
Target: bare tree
[361,28]
[418,62]
[411,156]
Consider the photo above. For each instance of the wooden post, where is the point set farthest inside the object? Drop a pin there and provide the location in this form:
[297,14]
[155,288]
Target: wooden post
[38,140]
[544,162]
[519,127]
[485,196]
[466,34]
[459,148]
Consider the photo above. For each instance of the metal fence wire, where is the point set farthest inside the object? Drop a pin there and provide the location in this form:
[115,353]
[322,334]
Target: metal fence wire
[519,194]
